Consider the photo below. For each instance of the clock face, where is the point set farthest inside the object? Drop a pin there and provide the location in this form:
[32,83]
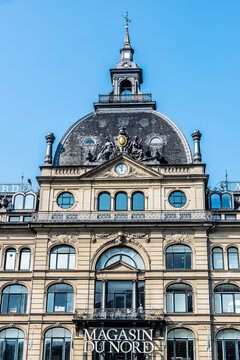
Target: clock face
[121,169]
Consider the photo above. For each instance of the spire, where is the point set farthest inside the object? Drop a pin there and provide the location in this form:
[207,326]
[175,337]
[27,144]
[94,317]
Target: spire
[127,51]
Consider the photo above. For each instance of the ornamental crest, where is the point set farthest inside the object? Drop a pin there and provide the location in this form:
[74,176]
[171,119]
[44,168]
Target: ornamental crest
[63,238]
[179,237]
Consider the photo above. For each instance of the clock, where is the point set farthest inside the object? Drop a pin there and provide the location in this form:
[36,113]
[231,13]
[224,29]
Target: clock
[121,169]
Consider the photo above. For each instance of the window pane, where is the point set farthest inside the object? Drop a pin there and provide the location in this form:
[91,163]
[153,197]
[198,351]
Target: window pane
[226,201]
[232,258]
[190,350]
[53,259]
[71,261]
[4,303]
[190,303]
[69,302]
[219,350]
[10,259]
[170,351]
[215,201]
[179,261]
[237,303]
[50,302]
[18,202]
[121,202]
[104,202]
[188,257]
[60,302]
[217,259]
[138,201]
[62,261]
[181,349]
[25,259]
[29,202]
[169,302]
[180,302]
[230,350]
[57,349]
[14,303]
[169,261]
[10,349]
[227,300]
[217,303]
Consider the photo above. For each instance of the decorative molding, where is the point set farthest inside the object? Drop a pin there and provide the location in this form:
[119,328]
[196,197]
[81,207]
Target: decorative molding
[57,324]
[132,172]
[179,237]
[179,325]
[63,238]
[10,325]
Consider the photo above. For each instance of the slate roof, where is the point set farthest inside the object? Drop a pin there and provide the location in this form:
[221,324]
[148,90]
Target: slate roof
[156,131]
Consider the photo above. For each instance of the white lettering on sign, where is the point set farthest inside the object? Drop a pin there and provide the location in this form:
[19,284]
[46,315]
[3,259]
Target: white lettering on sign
[10,188]
[120,341]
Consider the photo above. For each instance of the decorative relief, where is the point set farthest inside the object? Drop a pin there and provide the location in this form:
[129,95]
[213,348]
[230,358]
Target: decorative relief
[63,238]
[178,237]
[176,169]
[120,237]
[132,172]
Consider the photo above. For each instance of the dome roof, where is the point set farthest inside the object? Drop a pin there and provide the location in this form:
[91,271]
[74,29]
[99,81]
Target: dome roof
[156,134]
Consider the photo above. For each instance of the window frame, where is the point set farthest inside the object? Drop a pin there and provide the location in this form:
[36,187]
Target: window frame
[237,256]
[67,205]
[142,200]
[57,256]
[187,294]
[173,255]
[173,195]
[115,200]
[49,340]
[26,250]
[98,200]
[224,294]
[5,259]
[68,298]
[21,303]
[213,261]
[18,343]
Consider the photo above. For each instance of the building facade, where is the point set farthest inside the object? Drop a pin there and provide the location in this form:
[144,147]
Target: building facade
[123,253]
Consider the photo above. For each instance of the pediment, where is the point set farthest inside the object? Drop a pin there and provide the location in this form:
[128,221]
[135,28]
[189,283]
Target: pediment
[135,170]
[120,266]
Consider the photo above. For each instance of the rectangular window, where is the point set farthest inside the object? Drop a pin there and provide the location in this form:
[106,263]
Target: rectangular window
[14,218]
[27,218]
[230,217]
[216,217]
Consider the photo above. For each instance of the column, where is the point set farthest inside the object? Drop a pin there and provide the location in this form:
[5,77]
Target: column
[104,292]
[197,157]
[134,296]
[48,157]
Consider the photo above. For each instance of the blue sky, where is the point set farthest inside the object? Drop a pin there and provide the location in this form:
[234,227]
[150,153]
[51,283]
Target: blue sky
[55,60]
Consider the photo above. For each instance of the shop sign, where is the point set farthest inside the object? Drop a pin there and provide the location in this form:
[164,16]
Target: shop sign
[118,341]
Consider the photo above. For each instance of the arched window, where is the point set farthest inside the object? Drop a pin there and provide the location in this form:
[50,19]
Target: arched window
[60,298]
[104,201]
[138,201]
[227,299]
[115,254]
[121,201]
[125,87]
[226,201]
[57,344]
[180,344]
[179,257]
[25,258]
[10,259]
[14,299]
[215,201]
[62,257]
[228,345]
[233,259]
[29,201]
[179,298]
[18,202]
[217,258]
[11,344]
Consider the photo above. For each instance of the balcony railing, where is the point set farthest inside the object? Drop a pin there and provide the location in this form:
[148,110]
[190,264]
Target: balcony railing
[118,314]
[125,98]
[124,216]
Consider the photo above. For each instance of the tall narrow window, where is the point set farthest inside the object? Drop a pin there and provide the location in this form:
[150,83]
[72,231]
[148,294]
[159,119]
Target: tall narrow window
[228,345]
[226,201]
[217,258]
[25,258]
[104,202]
[179,298]
[60,298]
[18,202]
[137,201]
[62,257]
[227,299]
[233,259]
[29,201]
[121,202]
[57,344]
[179,257]
[180,344]
[11,344]
[215,201]
[14,299]
[10,259]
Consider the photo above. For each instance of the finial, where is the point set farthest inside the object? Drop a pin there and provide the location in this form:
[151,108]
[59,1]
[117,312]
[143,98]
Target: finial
[127,39]
[127,19]
[197,157]
[48,157]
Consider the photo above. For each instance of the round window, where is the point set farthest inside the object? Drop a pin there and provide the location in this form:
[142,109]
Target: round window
[177,199]
[65,200]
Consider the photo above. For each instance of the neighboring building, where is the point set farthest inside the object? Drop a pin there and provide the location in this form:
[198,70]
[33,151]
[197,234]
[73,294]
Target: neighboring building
[123,245]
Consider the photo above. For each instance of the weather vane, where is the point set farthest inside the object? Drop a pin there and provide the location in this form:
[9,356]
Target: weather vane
[127,19]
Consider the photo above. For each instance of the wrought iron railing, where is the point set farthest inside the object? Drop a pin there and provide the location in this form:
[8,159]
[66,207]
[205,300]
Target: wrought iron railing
[124,216]
[118,314]
[125,98]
